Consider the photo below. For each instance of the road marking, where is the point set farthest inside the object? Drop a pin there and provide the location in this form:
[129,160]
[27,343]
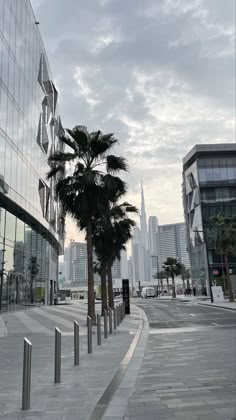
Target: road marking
[192,314]
[213,323]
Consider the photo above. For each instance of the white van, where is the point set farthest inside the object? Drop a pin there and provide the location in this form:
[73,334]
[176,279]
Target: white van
[148,292]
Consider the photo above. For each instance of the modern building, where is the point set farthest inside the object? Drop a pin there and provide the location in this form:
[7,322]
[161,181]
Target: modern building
[31,222]
[172,242]
[209,188]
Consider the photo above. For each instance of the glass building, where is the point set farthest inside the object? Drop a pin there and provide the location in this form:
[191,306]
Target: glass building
[31,221]
[209,189]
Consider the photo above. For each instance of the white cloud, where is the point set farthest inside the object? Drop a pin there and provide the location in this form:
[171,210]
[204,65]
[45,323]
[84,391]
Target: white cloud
[160,75]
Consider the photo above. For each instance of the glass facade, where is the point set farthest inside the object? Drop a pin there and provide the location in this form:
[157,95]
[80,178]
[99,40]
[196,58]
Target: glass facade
[209,189]
[31,222]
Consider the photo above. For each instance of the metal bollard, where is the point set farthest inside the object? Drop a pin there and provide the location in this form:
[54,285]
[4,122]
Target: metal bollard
[26,374]
[118,318]
[89,334]
[76,343]
[110,321]
[57,361]
[105,325]
[115,318]
[99,338]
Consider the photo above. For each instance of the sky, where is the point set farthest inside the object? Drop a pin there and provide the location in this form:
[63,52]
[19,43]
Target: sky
[159,74]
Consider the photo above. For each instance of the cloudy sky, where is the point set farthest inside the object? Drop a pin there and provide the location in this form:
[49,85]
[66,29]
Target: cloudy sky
[157,73]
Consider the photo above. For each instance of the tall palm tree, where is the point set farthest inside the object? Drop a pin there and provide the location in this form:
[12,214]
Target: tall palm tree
[226,243]
[81,190]
[173,268]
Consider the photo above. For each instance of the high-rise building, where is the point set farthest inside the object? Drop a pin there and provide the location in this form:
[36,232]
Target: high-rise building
[152,233]
[152,241]
[138,257]
[171,242]
[209,189]
[143,221]
[31,227]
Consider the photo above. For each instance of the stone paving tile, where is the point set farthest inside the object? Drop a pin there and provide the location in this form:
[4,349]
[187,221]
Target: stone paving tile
[81,387]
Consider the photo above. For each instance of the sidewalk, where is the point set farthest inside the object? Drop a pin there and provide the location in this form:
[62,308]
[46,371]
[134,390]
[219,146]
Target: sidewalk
[202,300]
[82,387]
[223,305]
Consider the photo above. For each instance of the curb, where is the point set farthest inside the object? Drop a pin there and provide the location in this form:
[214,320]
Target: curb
[116,381]
[216,306]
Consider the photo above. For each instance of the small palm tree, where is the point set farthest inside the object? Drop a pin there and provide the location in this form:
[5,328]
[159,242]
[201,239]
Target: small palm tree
[185,274]
[110,235]
[81,192]
[173,268]
[226,243]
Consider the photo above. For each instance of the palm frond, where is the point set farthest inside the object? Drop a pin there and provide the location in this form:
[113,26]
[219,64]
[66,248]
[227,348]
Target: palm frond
[61,157]
[67,140]
[116,164]
[54,170]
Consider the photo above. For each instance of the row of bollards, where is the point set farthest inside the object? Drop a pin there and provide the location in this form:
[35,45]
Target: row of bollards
[112,319]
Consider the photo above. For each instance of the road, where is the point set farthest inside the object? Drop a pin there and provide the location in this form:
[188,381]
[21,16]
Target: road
[189,368]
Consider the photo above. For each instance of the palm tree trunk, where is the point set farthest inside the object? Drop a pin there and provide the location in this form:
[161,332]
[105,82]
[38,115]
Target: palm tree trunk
[231,295]
[110,288]
[173,287]
[91,304]
[168,287]
[103,290]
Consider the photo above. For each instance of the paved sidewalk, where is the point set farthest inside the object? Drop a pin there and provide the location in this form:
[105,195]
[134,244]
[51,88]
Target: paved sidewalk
[82,387]
[223,305]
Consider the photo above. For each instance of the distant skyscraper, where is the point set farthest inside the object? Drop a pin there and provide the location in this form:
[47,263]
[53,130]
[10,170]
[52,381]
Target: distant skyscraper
[138,257]
[143,221]
[152,234]
[124,264]
[171,242]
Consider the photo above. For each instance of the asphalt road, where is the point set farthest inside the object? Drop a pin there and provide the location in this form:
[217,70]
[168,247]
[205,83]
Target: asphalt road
[189,368]
[181,314]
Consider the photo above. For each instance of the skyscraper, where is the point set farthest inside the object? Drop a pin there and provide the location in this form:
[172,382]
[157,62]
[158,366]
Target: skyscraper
[152,233]
[138,257]
[172,242]
[143,221]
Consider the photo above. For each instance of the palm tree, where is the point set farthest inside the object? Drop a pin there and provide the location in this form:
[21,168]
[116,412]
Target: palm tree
[173,268]
[226,243]
[81,192]
[185,274]
[122,233]
[111,232]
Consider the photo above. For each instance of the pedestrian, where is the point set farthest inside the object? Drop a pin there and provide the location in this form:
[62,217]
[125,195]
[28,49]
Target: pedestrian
[194,291]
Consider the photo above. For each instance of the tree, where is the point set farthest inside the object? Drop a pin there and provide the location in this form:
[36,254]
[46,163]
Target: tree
[173,268]
[81,190]
[111,232]
[160,275]
[225,243]
[185,274]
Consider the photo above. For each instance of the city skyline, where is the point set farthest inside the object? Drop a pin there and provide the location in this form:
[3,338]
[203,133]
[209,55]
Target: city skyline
[160,76]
